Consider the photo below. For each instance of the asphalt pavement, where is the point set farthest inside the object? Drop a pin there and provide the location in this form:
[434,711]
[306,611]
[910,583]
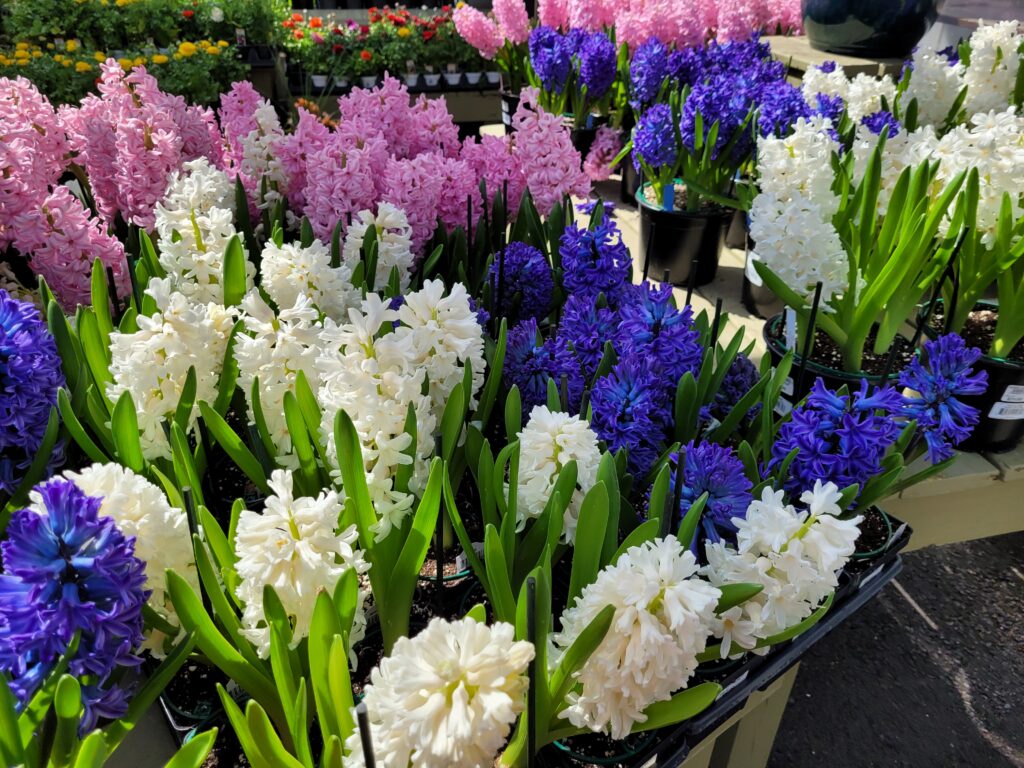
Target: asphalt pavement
[928,675]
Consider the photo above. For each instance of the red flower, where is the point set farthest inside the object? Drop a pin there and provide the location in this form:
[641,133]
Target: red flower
[364,29]
[296,17]
[287,23]
[428,34]
[446,8]
[365,55]
[337,48]
[299,34]
[188,14]
[316,22]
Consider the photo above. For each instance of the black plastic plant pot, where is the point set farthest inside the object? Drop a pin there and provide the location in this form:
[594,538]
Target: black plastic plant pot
[1001,426]
[758,299]
[871,29]
[736,234]
[866,564]
[509,105]
[672,240]
[260,56]
[794,390]
[629,182]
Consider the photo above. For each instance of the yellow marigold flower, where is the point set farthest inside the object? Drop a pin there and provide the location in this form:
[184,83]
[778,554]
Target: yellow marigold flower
[50,46]
[139,61]
[72,46]
[122,3]
[126,64]
[187,49]
[21,47]
[159,58]
[66,62]
[222,43]
[37,54]
[403,32]
[212,50]
[100,56]
[83,66]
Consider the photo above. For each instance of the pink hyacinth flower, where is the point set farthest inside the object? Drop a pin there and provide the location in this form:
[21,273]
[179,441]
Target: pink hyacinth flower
[478,30]
[513,20]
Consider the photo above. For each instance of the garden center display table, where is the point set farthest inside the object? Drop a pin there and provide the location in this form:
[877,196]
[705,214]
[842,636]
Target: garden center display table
[796,53]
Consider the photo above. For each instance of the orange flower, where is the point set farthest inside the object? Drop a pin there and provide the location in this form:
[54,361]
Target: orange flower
[316,22]
[299,34]
[365,55]
[296,17]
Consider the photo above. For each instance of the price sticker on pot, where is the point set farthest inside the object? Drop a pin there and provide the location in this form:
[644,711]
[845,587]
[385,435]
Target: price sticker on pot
[788,386]
[783,406]
[1007,411]
[1013,394]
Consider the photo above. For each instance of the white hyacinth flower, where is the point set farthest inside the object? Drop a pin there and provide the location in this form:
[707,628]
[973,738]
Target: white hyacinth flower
[447,697]
[394,243]
[549,441]
[289,271]
[152,363]
[162,539]
[663,616]
[295,547]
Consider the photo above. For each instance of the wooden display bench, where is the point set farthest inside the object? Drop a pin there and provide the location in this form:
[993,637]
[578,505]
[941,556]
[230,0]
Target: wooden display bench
[979,496]
[796,53]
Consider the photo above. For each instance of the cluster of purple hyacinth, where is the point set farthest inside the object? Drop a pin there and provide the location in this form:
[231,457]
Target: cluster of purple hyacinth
[30,375]
[722,83]
[590,57]
[654,343]
[68,572]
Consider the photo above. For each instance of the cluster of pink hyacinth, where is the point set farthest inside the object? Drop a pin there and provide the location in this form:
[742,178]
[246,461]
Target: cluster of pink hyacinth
[679,22]
[131,137]
[387,148]
[40,219]
[510,23]
[600,160]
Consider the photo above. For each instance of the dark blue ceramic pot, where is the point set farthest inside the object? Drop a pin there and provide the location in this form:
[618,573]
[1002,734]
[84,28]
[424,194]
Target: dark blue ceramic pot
[873,29]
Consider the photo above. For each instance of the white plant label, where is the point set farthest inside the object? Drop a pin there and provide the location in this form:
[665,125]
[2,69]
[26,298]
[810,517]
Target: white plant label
[783,406]
[1013,394]
[1007,411]
[788,386]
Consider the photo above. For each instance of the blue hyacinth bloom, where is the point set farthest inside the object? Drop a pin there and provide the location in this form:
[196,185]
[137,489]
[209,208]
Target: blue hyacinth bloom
[631,410]
[880,121]
[586,327]
[654,139]
[550,57]
[530,362]
[527,285]
[652,326]
[945,375]
[841,438]
[598,61]
[68,570]
[647,71]
[595,261]
[716,470]
[30,375]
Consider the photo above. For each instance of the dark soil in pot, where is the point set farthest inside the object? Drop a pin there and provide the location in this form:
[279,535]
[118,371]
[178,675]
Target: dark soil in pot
[596,749]
[826,360]
[192,693]
[875,535]
[226,752]
[980,330]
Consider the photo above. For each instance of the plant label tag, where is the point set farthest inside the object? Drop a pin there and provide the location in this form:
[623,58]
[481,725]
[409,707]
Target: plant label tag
[788,386]
[1013,394]
[790,328]
[1007,411]
[239,36]
[461,562]
[742,678]
[783,406]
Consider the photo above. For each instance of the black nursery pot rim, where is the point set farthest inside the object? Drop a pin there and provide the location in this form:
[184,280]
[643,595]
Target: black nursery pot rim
[998,362]
[779,348]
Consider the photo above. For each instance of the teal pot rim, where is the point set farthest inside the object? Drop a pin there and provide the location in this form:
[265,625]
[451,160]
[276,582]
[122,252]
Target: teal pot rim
[888,540]
[611,760]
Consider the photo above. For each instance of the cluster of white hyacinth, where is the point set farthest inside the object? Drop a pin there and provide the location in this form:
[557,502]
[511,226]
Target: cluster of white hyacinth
[794,554]
[162,540]
[664,614]
[791,217]
[384,361]
[195,223]
[260,159]
[936,84]
[152,363]
[291,271]
[274,350]
[294,546]
[863,95]
[902,150]
[546,445]
[446,697]
[394,243]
